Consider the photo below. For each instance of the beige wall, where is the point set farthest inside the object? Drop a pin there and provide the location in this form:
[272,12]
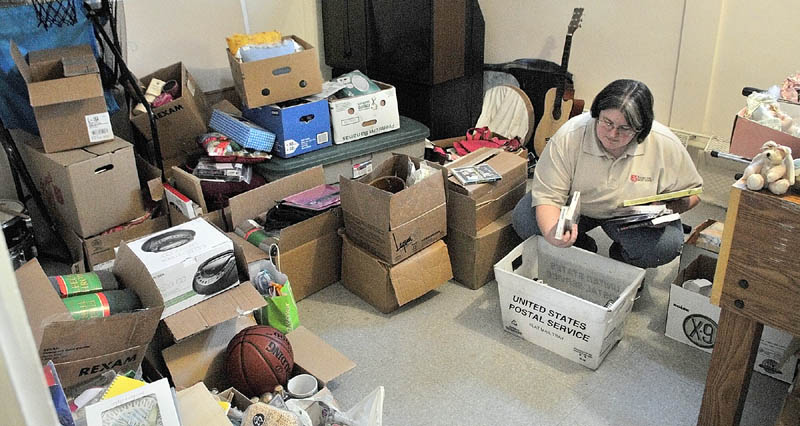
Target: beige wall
[695,55]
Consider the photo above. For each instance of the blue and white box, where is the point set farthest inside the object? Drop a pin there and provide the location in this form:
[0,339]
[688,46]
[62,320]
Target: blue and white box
[300,125]
[242,131]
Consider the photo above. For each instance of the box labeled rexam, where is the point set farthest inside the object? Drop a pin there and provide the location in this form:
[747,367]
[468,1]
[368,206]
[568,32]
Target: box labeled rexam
[569,301]
[66,95]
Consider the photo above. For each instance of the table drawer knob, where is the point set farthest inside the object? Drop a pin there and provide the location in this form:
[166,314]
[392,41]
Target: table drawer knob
[744,284]
[739,303]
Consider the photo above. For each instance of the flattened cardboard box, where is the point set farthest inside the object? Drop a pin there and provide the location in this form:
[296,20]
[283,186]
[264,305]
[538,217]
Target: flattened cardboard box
[180,121]
[202,356]
[310,251]
[388,287]
[66,95]
[83,349]
[394,226]
[76,184]
[277,79]
[473,258]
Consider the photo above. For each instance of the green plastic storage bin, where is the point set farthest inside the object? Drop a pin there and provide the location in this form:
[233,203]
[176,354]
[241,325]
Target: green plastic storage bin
[352,159]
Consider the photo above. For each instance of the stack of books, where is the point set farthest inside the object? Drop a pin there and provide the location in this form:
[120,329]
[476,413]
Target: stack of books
[653,215]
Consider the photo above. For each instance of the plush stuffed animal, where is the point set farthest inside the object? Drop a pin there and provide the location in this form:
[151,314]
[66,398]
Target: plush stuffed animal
[772,167]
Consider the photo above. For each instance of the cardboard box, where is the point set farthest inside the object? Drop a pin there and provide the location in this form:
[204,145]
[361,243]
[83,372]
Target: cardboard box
[202,356]
[89,189]
[747,136]
[180,121]
[366,115]
[300,126]
[394,226]
[705,239]
[277,79]
[100,248]
[310,251]
[83,349]
[472,207]
[693,320]
[189,263]
[66,95]
[189,185]
[473,258]
[569,301]
[388,287]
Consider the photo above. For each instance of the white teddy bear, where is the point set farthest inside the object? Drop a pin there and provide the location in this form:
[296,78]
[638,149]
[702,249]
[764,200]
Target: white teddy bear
[772,167]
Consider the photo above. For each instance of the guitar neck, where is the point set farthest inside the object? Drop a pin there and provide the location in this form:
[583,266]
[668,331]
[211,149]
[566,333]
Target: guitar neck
[564,62]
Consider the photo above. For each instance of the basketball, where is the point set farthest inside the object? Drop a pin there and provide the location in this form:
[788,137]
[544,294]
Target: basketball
[257,359]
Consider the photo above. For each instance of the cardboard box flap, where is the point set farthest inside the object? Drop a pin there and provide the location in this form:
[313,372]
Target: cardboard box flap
[365,202]
[134,274]
[108,147]
[200,358]
[421,273]
[512,167]
[317,357]
[310,229]
[257,201]
[20,61]
[150,178]
[198,407]
[189,185]
[68,89]
[237,301]
[71,60]
[34,286]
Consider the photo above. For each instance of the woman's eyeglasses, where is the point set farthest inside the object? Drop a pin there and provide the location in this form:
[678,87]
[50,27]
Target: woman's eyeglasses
[608,126]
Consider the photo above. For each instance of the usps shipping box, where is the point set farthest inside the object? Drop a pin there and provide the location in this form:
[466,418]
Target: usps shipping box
[66,94]
[357,117]
[189,263]
[84,349]
[570,301]
[89,189]
[300,126]
[394,226]
[693,320]
[277,79]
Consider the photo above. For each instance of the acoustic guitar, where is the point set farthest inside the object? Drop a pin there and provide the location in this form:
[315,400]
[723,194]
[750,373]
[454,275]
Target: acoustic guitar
[558,101]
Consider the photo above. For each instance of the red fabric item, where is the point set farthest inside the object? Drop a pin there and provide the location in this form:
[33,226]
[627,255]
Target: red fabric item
[482,137]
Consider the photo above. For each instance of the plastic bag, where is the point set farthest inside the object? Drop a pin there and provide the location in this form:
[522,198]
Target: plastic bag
[274,286]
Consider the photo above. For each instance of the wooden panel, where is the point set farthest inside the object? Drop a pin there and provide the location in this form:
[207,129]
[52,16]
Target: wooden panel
[730,370]
[762,280]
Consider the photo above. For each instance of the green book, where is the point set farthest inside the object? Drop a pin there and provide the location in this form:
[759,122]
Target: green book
[663,197]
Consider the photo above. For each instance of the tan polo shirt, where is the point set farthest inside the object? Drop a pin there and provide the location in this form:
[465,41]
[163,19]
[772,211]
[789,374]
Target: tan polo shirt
[574,160]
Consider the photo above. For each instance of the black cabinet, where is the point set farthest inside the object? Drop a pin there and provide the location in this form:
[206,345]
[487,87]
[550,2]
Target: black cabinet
[430,50]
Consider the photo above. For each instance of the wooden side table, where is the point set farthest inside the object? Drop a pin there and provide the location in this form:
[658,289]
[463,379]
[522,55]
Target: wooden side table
[757,283]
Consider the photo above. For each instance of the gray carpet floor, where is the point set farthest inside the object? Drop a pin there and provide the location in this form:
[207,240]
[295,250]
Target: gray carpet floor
[444,359]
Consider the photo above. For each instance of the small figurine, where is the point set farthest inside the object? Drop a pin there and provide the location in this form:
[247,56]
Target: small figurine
[772,168]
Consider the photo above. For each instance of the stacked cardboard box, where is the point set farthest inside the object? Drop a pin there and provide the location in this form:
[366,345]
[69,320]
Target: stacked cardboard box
[479,231]
[180,121]
[392,252]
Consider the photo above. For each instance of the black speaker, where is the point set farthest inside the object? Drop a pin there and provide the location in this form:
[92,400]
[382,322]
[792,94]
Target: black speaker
[430,50]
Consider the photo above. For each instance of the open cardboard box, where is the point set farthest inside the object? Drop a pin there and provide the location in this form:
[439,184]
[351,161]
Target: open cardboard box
[66,95]
[747,136]
[358,117]
[189,185]
[394,226]
[386,286]
[473,258]
[201,358]
[310,251]
[180,121]
[277,79]
[83,349]
[90,189]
